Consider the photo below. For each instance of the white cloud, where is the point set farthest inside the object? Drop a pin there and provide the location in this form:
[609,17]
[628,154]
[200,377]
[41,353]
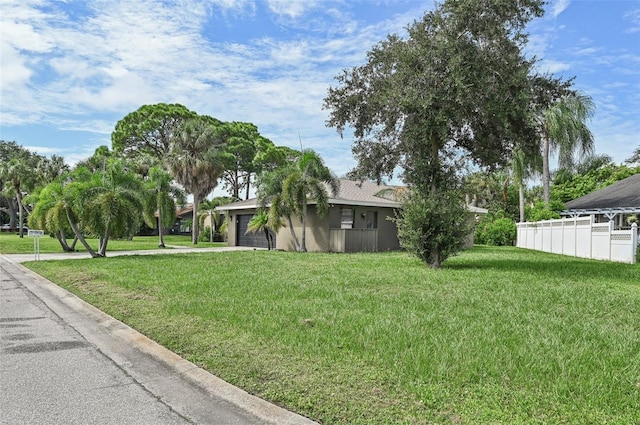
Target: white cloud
[553,66]
[588,51]
[289,8]
[15,71]
[559,6]
[634,17]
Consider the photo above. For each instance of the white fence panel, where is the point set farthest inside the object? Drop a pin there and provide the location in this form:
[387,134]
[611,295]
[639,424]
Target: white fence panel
[557,236]
[580,237]
[583,237]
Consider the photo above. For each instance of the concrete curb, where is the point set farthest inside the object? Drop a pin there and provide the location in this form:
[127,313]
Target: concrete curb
[182,385]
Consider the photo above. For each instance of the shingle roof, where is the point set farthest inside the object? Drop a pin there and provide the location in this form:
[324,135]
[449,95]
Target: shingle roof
[366,194]
[350,193]
[622,194]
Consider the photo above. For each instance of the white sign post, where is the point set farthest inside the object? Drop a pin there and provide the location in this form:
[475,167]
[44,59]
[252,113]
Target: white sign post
[36,235]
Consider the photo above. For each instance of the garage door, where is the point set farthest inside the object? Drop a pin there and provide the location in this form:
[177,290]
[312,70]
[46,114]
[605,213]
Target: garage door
[243,238]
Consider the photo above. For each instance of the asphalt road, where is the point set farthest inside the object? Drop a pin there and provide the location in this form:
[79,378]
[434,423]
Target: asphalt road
[63,361]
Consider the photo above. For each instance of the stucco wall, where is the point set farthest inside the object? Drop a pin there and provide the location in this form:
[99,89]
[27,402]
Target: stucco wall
[317,233]
[387,230]
[317,238]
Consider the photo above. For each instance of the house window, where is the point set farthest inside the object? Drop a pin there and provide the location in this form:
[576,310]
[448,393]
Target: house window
[346,218]
[371,220]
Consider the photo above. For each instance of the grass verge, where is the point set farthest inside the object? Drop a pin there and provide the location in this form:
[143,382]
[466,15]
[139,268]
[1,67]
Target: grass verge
[499,335]
[11,243]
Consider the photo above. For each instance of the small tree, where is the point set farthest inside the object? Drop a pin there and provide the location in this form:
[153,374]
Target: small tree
[433,228]
[307,181]
[260,222]
[160,197]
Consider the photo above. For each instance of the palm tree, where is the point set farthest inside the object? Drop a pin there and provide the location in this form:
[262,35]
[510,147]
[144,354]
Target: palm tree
[196,161]
[523,167]
[208,209]
[270,187]
[562,127]
[18,177]
[49,212]
[263,222]
[307,181]
[50,169]
[634,158]
[110,204]
[160,197]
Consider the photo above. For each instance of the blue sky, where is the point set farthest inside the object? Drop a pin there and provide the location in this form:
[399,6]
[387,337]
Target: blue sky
[71,69]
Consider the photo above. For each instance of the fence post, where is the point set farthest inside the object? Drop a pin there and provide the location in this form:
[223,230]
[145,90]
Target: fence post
[611,227]
[634,242]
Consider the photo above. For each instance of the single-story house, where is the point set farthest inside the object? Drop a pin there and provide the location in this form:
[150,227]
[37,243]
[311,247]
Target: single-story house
[183,223]
[616,202]
[357,220]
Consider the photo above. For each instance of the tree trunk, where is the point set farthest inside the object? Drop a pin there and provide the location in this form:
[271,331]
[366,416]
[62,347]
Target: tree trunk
[160,229]
[303,245]
[546,174]
[63,241]
[103,244]
[12,212]
[434,261]
[266,235]
[236,185]
[521,201]
[296,244]
[81,238]
[194,224]
[248,185]
[211,226]
[21,210]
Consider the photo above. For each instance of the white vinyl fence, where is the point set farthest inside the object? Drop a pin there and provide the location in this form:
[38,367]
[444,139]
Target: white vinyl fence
[580,237]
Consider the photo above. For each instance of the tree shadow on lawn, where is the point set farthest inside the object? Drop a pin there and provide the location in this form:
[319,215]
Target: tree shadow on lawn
[544,264]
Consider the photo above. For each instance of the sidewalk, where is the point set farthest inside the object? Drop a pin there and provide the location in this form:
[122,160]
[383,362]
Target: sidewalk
[62,361]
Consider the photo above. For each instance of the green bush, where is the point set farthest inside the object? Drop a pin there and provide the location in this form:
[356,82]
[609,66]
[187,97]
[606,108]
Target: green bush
[433,228]
[500,232]
[541,212]
[205,234]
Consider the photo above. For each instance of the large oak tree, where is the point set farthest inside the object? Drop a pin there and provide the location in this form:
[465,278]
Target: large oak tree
[457,85]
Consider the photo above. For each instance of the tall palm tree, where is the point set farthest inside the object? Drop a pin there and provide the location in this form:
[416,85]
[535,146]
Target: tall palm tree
[563,128]
[160,197]
[50,169]
[270,187]
[523,167]
[308,181]
[196,160]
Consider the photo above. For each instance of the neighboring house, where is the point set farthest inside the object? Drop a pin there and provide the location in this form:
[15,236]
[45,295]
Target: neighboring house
[357,220]
[184,218]
[616,202]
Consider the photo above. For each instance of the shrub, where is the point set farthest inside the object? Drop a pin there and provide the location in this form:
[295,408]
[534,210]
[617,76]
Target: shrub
[501,232]
[541,212]
[433,228]
[205,234]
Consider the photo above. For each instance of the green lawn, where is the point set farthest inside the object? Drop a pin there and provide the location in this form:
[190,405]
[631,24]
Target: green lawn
[498,336]
[11,243]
